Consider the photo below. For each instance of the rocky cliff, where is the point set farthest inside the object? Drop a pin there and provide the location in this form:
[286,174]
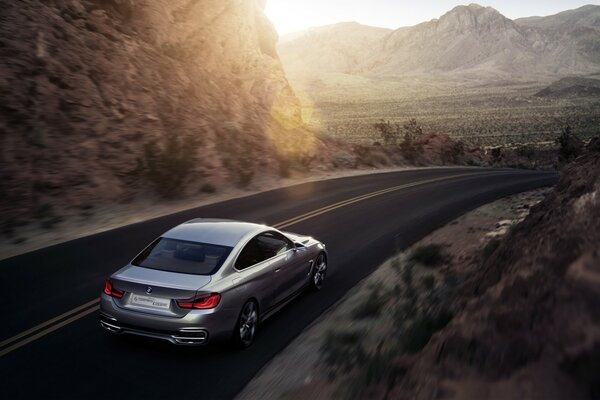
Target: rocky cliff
[88,86]
[528,324]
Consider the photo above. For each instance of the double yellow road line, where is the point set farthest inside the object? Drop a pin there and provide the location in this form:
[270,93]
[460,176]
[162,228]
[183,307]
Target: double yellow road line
[62,320]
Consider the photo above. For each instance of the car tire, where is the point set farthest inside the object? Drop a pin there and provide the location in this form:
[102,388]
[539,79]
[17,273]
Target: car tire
[246,326]
[317,277]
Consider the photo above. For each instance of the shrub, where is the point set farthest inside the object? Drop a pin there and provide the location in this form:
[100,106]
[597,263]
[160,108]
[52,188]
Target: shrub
[405,311]
[490,248]
[285,166]
[48,217]
[413,128]
[378,369]
[208,187]
[371,306]
[428,282]
[342,351]
[167,167]
[570,146]
[390,133]
[9,224]
[409,148]
[496,154]
[238,152]
[407,276]
[430,255]
[419,331]
[452,153]
[526,151]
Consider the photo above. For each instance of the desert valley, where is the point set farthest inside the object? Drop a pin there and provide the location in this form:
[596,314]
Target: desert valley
[473,74]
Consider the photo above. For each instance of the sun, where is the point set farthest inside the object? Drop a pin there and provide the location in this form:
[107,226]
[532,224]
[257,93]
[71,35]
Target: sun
[291,16]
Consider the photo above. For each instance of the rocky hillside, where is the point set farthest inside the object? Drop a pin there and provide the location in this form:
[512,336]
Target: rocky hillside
[93,90]
[527,322]
[469,41]
[333,48]
[572,87]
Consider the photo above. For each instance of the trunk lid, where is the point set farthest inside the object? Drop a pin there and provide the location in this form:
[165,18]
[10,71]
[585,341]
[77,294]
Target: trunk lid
[154,292]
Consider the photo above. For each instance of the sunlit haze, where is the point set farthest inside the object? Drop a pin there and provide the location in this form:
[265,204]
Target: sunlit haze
[295,15]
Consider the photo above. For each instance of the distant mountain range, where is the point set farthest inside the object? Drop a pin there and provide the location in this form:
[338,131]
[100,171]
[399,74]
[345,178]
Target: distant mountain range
[468,41]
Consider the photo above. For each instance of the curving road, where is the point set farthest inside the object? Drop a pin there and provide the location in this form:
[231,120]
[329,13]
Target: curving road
[52,346]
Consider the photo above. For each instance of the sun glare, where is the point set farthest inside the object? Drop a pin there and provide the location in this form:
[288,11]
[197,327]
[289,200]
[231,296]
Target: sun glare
[296,15]
[292,16]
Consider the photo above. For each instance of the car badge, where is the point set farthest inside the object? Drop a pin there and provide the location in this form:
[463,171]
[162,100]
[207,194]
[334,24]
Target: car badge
[149,289]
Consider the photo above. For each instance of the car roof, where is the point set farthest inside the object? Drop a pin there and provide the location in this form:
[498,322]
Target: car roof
[214,231]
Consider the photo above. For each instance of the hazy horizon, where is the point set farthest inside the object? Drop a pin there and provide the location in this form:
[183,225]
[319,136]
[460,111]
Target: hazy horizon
[290,16]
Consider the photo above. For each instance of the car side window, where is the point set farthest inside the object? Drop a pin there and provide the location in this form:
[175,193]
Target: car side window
[250,255]
[273,243]
[261,248]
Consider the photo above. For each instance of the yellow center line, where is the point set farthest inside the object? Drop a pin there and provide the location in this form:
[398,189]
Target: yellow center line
[49,322]
[367,196]
[48,330]
[80,314]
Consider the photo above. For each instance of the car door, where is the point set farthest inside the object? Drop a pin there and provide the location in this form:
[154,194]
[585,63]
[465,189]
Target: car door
[291,269]
[255,273]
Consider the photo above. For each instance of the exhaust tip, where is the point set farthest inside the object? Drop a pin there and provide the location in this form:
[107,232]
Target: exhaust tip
[191,336]
[111,327]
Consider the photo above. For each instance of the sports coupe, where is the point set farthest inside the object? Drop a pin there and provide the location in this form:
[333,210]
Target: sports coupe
[210,279]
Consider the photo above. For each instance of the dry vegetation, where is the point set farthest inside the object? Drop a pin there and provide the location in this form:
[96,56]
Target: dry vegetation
[498,114]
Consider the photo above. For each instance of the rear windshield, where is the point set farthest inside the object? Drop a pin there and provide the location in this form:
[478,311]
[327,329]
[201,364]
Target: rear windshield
[183,256]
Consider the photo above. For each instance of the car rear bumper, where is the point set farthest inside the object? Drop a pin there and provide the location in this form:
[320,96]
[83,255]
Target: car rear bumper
[194,329]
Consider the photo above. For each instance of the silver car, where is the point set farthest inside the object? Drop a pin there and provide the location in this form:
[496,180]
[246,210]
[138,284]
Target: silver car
[211,279]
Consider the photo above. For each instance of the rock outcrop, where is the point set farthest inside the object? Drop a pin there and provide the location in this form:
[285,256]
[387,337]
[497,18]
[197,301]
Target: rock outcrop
[88,84]
[572,87]
[529,325]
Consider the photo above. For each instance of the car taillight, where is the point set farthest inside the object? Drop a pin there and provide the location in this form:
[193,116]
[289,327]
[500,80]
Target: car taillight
[203,302]
[112,292]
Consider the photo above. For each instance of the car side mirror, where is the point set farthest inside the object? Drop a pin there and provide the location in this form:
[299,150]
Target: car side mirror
[299,247]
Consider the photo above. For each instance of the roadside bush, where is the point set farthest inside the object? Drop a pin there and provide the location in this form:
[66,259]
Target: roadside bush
[238,152]
[47,216]
[371,307]
[368,156]
[570,146]
[287,162]
[342,351]
[377,370]
[167,167]
[409,148]
[418,332]
[452,154]
[390,133]
[496,153]
[428,282]
[407,274]
[430,255]
[526,151]
[208,187]
[490,248]
[9,224]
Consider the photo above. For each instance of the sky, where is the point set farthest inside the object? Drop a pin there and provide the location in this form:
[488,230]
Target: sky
[296,15]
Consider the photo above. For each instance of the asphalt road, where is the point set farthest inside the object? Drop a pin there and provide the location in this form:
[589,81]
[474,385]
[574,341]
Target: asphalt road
[71,357]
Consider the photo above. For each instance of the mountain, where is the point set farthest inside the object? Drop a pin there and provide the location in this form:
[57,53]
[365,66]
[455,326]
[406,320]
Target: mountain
[331,48]
[466,41]
[573,34]
[572,87]
[90,86]
[467,37]
[586,16]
